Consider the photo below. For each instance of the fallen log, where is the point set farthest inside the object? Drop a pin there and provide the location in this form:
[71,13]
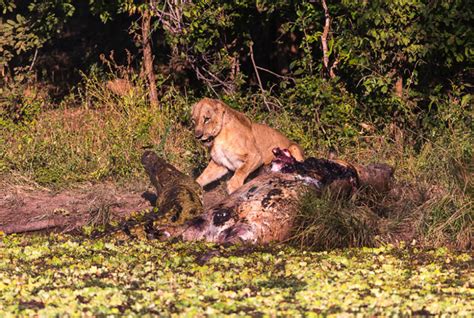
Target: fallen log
[34,226]
[25,209]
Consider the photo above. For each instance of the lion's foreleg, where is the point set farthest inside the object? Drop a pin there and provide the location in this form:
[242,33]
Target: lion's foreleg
[252,162]
[212,172]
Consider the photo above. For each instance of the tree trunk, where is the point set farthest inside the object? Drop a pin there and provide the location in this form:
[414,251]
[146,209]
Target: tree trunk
[148,57]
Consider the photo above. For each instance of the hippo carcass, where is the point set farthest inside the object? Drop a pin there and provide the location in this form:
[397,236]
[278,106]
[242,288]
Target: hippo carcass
[260,211]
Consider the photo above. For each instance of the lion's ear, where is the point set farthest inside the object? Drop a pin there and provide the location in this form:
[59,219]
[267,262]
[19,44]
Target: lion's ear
[193,109]
[225,114]
[225,118]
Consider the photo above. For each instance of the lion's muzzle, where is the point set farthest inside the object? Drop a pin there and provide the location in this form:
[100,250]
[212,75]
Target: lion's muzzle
[206,140]
[198,134]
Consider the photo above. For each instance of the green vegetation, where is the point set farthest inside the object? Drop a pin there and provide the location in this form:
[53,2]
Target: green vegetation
[379,81]
[62,275]
[85,143]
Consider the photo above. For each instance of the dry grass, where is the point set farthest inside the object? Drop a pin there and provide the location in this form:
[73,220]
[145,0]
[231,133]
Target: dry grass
[86,144]
[329,222]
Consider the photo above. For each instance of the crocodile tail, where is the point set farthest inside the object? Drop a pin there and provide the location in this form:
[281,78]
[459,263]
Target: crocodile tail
[138,225]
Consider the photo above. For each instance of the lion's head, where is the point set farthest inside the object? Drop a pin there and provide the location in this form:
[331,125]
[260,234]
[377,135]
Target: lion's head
[208,117]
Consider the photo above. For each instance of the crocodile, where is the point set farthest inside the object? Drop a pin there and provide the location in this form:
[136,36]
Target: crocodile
[178,200]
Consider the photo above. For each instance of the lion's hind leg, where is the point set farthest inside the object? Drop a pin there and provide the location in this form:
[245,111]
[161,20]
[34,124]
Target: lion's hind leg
[296,152]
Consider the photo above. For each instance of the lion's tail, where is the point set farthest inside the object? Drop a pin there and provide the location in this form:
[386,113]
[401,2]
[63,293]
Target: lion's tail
[296,152]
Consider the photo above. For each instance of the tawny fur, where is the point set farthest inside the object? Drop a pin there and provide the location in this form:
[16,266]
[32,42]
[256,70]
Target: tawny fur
[236,144]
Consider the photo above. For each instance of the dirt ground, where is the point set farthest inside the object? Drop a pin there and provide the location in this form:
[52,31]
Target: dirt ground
[28,207]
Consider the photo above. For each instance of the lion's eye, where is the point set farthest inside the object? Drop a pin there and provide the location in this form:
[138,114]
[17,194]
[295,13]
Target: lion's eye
[206,119]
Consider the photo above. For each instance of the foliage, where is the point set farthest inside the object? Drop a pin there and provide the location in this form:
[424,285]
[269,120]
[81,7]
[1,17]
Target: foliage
[375,44]
[402,94]
[23,30]
[20,104]
[395,61]
[59,275]
[329,111]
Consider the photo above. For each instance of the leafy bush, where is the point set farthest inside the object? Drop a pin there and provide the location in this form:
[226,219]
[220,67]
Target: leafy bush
[20,104]
[25,28]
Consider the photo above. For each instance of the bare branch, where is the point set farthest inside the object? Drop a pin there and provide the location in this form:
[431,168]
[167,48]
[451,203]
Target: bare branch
[258,77]
[324,40]
[170,15]
[148,57]
[201,77]
[34,60]
[332,74]
[276,74]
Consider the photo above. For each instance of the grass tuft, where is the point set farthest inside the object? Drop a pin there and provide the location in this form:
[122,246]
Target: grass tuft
[328,222]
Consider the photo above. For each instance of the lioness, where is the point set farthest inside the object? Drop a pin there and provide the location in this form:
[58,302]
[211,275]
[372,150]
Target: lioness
[236,143]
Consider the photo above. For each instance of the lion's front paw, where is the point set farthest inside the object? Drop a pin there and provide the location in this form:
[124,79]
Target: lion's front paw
[233,185]
[200,181]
